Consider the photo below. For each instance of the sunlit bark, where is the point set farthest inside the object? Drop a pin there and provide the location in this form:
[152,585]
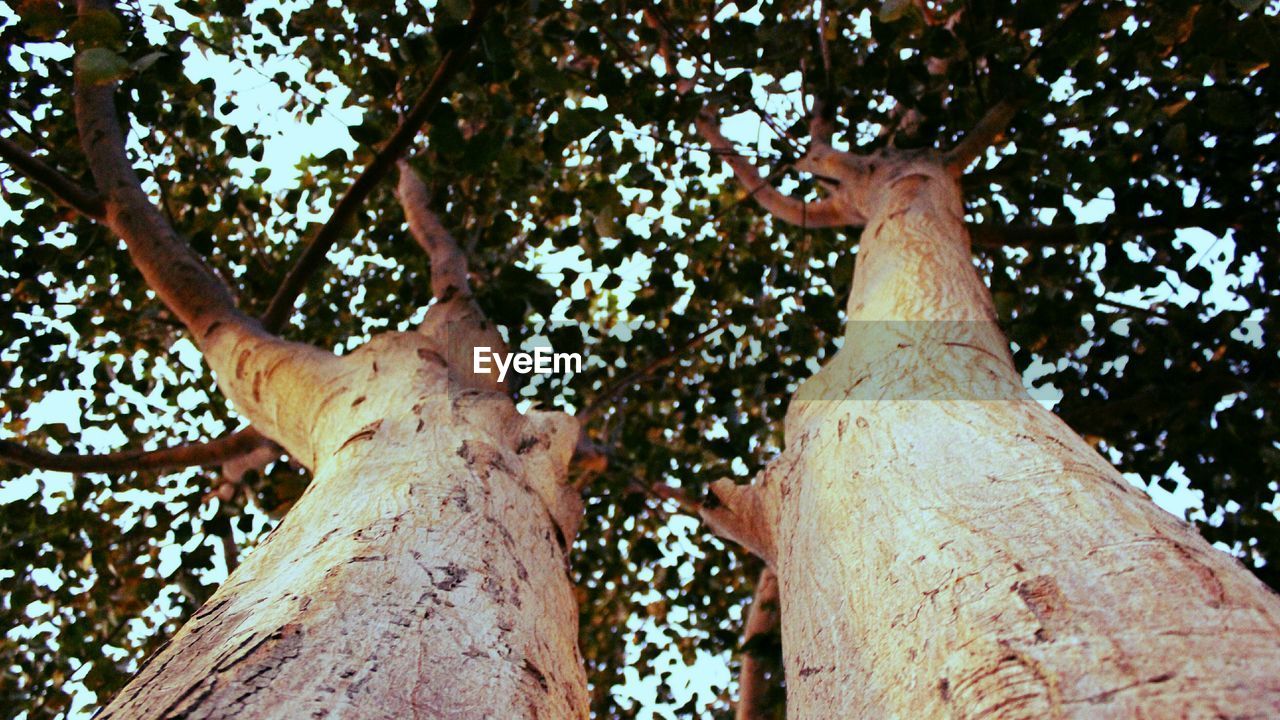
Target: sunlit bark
[946,546]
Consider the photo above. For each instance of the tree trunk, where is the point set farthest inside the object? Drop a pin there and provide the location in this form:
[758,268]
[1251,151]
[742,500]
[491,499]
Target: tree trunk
[945,546]
[422,574]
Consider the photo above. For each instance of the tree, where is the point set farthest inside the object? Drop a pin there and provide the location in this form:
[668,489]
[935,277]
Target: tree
[982,582]
[557,137]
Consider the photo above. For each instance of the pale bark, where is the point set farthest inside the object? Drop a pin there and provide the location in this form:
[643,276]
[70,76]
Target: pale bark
[449,271]
[759,188]
[424,571]
[422,574]
[945,546]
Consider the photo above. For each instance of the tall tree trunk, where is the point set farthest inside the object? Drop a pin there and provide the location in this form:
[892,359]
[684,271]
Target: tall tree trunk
[423,572]
[945,546]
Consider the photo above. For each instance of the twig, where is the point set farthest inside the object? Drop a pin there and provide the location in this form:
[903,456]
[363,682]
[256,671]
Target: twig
[607,395]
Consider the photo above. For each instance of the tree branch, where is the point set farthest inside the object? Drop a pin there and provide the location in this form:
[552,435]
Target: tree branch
[664,492]
[236,346]
[449,275]
[313,254]
[988,132]
[66,190]
[212,452]
[183,282]
[787,209]
[609,393]
[995,235]
[762,620]
[821,214]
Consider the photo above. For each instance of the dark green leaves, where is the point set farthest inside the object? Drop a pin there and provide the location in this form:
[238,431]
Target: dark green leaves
[99,65]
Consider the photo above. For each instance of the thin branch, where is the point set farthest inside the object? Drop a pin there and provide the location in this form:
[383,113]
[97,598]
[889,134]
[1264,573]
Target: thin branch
[68,191]
[995,235]
[822,124]
[824,46]
[821,214]
[1152,312]
[449,275]
[313,254]
[991,128]
[213,452]
[607,395]
[988,132]
[664,492]
[762,619]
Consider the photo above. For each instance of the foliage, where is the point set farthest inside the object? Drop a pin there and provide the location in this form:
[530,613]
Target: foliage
[566,134]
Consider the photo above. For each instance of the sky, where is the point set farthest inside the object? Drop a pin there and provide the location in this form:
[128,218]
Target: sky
[261,104]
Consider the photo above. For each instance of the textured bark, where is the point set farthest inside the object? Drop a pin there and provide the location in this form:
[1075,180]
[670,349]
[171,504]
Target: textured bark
[945,546]
[422,574]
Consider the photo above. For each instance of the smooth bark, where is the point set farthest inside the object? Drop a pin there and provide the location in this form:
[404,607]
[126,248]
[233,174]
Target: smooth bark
[946,546]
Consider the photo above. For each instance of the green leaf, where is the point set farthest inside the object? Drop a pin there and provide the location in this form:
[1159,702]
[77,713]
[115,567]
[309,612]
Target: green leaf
[146,61]
[892,10]
[41,18]
[366,133]
[100,65]
[97,28]
[1230,108]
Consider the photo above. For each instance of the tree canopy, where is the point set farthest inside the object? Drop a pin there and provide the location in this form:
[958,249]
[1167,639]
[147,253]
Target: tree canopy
[1127,229]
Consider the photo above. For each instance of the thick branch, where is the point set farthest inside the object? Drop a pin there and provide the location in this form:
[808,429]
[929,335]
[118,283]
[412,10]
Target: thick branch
[66,190]
[821,214]
[448,261]
[762,620]
[213,452]
[236,347]
[741,513]
[177,275]
[313,254]
[988,132]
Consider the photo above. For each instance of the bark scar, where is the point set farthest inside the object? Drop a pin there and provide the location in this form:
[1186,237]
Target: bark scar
[365,433]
